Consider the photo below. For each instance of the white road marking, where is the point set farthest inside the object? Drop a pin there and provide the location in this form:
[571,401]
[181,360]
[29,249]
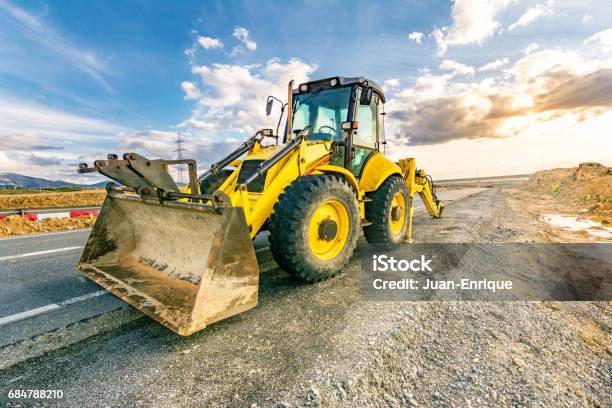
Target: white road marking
[44,309]
[83,297]
[46,234]
[49,251]
[28,313]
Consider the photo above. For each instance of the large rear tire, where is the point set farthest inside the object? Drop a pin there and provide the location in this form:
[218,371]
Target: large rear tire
[315,227]
[389,212]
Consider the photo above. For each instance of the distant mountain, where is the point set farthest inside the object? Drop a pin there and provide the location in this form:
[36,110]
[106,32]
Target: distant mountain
[13,179]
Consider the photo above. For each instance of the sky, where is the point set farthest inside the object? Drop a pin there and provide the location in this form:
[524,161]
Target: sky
[473,87]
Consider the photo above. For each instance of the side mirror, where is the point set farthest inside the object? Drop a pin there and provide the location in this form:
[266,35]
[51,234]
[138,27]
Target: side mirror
[269,106]
[366,96]
[267,133]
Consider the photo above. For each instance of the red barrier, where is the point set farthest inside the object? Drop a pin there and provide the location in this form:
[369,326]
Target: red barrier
[83,213]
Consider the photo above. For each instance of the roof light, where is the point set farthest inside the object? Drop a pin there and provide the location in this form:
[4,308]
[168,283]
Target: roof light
[303,88]
[333,82]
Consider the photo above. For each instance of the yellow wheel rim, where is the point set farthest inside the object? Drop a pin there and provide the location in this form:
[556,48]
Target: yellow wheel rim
[397,215]
[328,230]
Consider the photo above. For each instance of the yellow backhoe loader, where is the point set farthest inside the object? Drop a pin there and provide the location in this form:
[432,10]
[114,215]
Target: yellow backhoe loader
[186,258]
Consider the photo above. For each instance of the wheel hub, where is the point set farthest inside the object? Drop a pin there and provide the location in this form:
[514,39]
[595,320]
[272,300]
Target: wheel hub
[328,229]
[396,213]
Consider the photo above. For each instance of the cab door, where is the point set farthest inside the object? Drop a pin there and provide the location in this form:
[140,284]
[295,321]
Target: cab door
[365,139]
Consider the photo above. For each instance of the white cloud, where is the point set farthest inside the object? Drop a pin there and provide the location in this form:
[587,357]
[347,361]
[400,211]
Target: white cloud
[161,144]
[46,36]
[209,43]
[391,83]
[456,68]
[602,38]
[532,14]
[191,91]
[416,37]
[50,124]
[235,95]
[37,140]
[587,18]
[191,52]
[539,91]
[200,125]
[242,34]
[473,22]
[494,65]
[531,47]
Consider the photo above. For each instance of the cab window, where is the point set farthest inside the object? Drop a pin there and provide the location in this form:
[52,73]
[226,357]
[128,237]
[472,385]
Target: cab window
[323,110]
[366,116]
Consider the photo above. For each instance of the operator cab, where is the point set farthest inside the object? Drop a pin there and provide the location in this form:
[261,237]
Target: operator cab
[347,111]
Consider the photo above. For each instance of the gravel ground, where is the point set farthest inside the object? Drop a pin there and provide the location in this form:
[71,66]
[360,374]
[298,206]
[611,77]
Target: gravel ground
[322,345]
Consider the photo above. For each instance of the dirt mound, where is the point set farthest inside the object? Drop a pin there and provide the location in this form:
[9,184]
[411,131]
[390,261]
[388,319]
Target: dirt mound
[16,225]
[587,187]
[589,171]
[47,200]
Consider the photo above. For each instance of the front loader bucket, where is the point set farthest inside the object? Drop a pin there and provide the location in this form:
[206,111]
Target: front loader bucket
[183,264]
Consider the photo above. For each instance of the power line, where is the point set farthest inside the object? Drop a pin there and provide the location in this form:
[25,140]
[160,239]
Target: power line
[179,154]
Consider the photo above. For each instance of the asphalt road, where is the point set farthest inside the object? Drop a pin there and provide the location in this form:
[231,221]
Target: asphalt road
[37,273]
[33,276]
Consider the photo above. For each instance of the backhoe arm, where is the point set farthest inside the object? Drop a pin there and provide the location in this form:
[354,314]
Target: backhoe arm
[419,182]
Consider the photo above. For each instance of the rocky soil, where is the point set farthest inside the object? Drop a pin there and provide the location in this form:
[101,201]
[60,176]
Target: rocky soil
[16,225]
[586,188]
[324,345]
[50,200]
[582,196]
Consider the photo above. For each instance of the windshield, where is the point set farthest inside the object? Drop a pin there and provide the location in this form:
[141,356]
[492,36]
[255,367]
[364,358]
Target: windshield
[324,110]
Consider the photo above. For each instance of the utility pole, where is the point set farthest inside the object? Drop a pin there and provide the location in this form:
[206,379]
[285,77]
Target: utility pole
[179,155]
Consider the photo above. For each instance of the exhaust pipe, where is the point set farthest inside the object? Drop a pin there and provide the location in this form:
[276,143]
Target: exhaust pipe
[289,110]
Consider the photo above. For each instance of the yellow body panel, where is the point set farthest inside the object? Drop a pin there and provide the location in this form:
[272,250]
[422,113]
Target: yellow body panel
[340,171]
[313,157]
[377,169]
[259,206]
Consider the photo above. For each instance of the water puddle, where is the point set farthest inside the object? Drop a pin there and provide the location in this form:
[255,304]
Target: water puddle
[575,223]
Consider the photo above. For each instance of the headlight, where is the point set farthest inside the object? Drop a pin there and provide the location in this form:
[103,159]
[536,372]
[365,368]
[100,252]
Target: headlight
[303,88]
[333,82]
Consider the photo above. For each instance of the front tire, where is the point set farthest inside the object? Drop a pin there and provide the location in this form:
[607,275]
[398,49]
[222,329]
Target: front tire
[315,227]
[389,212]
